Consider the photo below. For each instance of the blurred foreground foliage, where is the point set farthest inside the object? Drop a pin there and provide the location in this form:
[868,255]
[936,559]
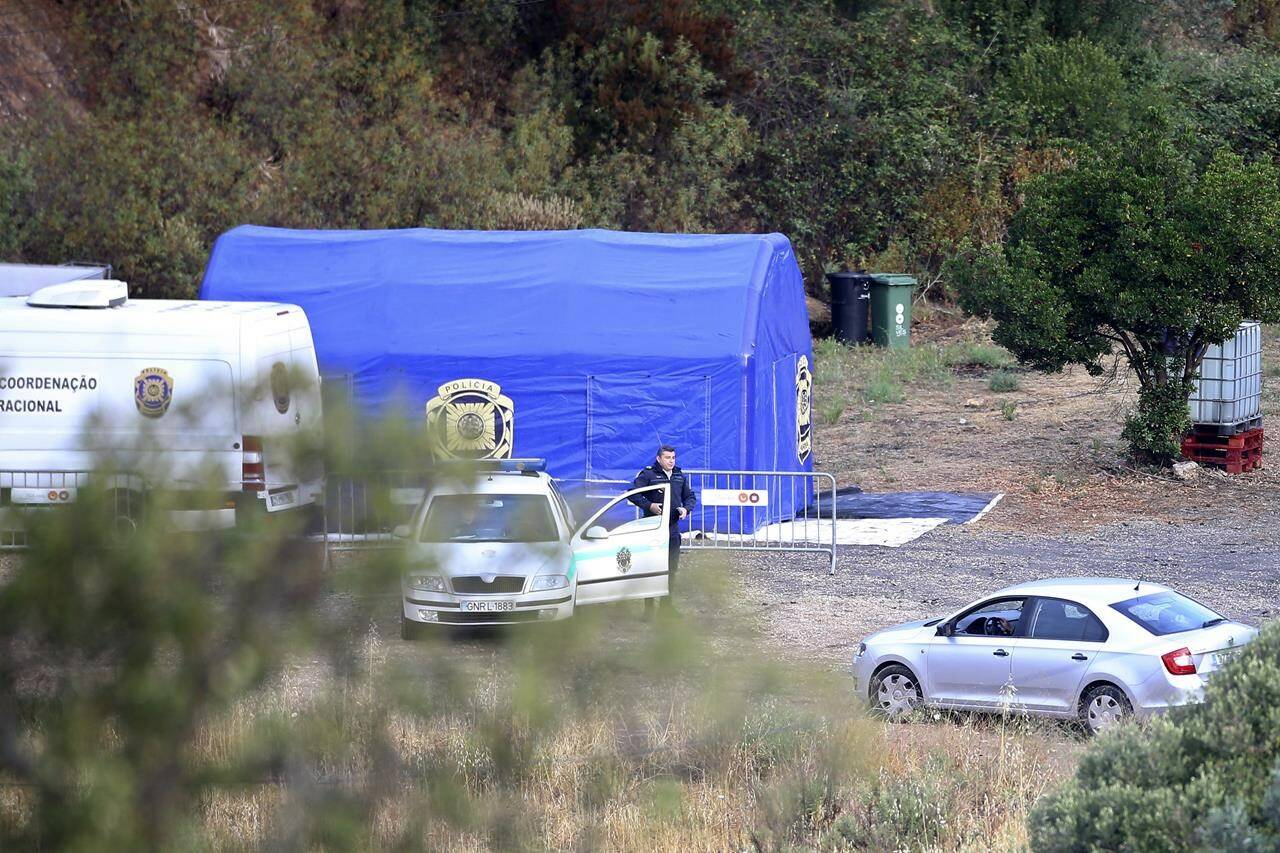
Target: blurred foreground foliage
[238,690]
[871,133]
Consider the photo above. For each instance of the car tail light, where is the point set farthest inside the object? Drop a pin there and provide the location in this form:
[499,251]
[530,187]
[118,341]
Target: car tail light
[253,469]
[1179,662]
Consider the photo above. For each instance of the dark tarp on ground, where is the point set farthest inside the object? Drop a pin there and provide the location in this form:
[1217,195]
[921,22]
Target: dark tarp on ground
[852,502]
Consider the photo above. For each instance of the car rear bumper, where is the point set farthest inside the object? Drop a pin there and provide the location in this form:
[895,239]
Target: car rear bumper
[446,609]
[1163,691]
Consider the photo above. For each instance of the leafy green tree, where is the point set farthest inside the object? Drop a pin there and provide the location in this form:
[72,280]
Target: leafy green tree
[856,121]
[1138,250]
[1071,90]
[1231,100]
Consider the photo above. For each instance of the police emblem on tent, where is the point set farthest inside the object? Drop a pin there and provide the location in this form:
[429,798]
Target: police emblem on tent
[804,409]
[624,560]
[153,391]
[471,419]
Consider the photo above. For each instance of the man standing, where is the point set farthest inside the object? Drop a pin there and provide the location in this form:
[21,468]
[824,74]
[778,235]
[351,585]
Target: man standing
[662,472]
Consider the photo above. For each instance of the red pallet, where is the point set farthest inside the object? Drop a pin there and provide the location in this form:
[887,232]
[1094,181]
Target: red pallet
[1236,454]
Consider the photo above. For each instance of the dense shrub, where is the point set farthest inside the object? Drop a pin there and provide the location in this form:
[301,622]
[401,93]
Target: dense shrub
[1207,777]
[1139,251]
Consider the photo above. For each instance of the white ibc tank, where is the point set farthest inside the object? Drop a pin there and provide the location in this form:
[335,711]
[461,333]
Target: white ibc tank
[1229,390]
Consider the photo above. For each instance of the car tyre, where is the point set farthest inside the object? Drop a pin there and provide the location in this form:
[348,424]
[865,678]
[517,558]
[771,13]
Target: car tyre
[895,692]
[1103,707]
[409,630]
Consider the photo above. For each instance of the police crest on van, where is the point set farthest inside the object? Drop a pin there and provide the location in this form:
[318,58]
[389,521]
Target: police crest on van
[153,391]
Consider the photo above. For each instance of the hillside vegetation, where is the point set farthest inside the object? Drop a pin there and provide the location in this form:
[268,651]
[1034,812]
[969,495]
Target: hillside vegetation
[880,134]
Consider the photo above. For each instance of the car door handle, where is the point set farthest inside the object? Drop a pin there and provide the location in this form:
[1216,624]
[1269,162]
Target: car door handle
[1000,653]
[1078,656]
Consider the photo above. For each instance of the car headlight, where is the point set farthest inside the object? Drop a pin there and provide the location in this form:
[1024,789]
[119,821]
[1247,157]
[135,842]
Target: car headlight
[549,582]
[427,583]
[860,651]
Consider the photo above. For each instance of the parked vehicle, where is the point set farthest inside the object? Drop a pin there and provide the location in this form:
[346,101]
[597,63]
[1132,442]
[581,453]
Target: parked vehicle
[499,544]
[173,396]
[1098,649]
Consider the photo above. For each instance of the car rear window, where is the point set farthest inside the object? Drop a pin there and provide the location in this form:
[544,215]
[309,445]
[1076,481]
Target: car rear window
[1167,613]
[489,518]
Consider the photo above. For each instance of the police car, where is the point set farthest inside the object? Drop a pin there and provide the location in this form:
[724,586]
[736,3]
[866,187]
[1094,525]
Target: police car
[497,543]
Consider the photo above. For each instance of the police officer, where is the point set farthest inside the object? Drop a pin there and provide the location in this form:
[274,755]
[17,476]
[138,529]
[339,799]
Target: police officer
[683,500]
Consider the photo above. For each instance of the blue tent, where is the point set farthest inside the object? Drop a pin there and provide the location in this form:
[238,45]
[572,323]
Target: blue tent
[589,348]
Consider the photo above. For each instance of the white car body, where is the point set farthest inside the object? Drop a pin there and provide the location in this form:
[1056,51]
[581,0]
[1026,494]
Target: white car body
[474,575]
[1035,673]
[233,387]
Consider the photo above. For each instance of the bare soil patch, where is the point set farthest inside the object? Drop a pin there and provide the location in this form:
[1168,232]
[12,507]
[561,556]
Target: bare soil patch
[1052,446]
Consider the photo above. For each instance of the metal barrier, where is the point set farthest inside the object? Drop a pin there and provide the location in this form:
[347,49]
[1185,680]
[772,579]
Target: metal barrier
[749,510]
[736,510]
[49,489]
[362,512]
[762,511]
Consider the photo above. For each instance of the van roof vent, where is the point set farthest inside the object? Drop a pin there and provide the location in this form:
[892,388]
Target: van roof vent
[81,294]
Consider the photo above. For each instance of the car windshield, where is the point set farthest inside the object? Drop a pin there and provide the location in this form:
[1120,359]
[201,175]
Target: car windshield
[489,518]
[1167,613]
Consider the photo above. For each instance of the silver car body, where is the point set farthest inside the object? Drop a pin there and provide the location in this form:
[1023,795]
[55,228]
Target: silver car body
[477,578]
[1044,676]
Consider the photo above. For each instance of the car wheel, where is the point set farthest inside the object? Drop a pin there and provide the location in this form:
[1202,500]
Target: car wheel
[409,630]
[895,692]
[1104,706]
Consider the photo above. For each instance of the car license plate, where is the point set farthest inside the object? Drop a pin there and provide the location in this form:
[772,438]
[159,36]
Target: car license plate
[1221,659]
[283,498]
[487,606]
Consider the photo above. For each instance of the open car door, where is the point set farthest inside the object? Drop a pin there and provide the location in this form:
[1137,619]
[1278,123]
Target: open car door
[615,561]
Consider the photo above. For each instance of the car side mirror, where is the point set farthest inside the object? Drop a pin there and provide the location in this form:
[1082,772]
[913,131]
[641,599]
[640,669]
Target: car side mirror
[596,532]
[401,531]
[946,629]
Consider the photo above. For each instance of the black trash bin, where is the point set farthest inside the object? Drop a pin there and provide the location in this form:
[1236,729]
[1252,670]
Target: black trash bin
[850,296]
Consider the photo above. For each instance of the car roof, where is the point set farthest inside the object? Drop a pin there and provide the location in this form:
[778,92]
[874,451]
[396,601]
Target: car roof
[1098,590]
[497,483]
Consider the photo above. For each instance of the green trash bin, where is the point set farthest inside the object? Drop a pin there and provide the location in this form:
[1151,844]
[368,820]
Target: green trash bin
[891,309]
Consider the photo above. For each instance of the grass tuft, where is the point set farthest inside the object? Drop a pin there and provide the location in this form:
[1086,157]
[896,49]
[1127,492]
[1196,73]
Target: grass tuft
[1004,381]
[974,354]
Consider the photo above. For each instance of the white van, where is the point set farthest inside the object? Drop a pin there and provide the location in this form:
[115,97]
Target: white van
[178,395]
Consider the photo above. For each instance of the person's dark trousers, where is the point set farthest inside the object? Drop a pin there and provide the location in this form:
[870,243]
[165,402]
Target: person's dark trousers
[673,565]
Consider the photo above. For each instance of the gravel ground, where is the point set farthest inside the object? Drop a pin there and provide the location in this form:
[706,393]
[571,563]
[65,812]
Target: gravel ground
[1234,568]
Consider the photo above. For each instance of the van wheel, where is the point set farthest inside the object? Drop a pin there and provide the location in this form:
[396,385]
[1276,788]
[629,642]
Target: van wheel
[895,692]
[124,513]
[1104,707]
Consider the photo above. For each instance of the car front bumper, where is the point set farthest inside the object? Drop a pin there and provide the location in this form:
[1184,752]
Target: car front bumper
[449,609]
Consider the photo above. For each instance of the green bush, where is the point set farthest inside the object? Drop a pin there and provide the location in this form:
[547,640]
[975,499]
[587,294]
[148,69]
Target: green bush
[1004,381]
[971,354]
[1154,430]
[883,390]
[1205,777]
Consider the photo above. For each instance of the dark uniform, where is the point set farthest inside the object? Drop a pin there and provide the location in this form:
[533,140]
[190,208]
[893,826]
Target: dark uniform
[681,496]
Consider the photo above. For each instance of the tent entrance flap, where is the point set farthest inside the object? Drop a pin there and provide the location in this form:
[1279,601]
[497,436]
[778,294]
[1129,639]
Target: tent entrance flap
[630,416]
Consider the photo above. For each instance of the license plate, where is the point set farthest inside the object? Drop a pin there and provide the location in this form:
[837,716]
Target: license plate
[1221,659]
[487,606]
[282,498]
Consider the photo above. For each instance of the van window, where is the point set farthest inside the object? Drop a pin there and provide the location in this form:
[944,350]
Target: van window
[489,518]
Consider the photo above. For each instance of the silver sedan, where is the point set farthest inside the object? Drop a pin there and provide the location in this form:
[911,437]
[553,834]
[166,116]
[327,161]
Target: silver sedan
[1096,649]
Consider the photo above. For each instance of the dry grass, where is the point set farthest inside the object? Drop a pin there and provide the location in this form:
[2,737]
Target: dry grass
[688,767]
